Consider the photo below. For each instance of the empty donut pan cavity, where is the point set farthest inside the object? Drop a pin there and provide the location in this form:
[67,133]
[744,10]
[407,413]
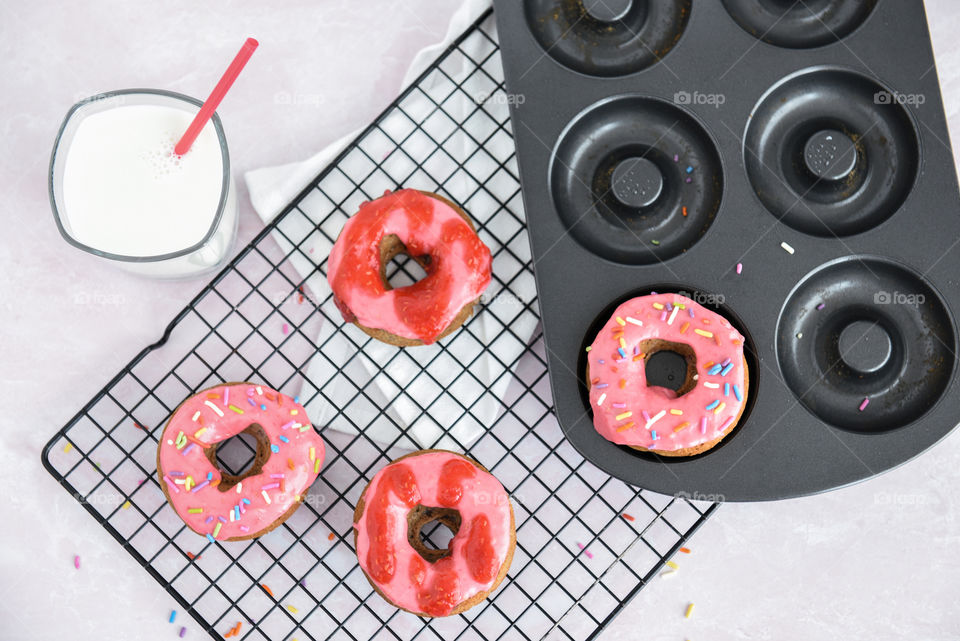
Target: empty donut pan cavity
[662,143]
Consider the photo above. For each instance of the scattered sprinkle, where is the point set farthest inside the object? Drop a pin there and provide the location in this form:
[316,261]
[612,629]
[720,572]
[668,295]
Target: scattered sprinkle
[292,609]
[173,616]
[864,404]
[266,589]
[685,550]
[126,505]
[214,407]
[739,268]
[68,447]
[286,328]
[672,565]
[585,550]
[628,517]
[656,418]
[689,169]
[668,574]
[654,242]
[821,306]
[634,321]
[684,211]
[331,536]
[787,248]
[602,398]
[76,561]
[710,385]
[689,611]
[799,334]
[183,631]
[703,332]
[673,315]
[235,409]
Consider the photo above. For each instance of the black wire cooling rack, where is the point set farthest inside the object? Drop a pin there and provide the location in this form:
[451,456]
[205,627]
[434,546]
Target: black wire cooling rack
[586,543]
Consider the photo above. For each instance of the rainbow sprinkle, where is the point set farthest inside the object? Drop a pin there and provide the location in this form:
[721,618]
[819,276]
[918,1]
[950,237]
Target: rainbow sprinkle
[864,404]
[689,611]
[173,616]
[585,550]
[76,561]
[214,407]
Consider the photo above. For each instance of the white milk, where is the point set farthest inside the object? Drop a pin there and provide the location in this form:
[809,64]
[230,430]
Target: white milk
[125,193]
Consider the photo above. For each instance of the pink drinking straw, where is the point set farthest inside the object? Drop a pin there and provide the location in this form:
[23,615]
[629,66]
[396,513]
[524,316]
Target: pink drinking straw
[211,104]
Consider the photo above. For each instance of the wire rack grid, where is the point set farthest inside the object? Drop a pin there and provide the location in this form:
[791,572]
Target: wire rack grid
[586,543]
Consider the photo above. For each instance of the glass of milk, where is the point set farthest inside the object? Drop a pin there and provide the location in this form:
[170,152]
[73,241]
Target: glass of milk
[119,192]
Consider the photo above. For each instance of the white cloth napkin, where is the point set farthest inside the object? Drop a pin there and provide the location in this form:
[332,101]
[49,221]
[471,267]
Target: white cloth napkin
[340,372]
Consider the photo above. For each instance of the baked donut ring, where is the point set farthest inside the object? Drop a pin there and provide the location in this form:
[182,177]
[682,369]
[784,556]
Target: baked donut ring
[425,486]
[435,233]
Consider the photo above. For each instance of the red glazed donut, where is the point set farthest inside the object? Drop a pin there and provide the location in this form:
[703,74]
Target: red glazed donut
[432,231]
[708,403]
[226,507]
[434,485]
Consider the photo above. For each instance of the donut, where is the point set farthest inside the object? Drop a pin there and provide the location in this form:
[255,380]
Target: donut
[435,233]
[215,503]
[425,486]
[707,404]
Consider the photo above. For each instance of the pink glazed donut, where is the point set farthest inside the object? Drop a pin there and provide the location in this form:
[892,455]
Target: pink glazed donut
[425,486]
[220,505]
[706,406]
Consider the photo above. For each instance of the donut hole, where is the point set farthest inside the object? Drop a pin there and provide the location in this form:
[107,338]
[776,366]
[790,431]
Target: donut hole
[398,268]
[669,365]
[430,531]
[240,456]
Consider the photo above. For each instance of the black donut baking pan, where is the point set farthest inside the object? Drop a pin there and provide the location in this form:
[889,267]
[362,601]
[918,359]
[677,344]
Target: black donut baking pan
[785,163]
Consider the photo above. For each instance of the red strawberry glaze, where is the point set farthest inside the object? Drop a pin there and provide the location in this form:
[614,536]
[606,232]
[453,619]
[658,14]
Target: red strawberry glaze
[458,272]
[478,550]
[628,411]
[212,416]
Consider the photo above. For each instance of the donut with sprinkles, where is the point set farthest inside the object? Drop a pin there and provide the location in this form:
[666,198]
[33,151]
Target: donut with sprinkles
[217,503]
[684,421]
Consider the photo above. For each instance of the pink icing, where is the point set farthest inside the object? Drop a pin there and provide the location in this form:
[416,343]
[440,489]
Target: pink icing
[282,419]
[458,273]
[640,415]
[482,496]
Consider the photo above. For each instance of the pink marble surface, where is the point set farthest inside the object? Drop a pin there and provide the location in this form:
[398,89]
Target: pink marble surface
[880,560]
